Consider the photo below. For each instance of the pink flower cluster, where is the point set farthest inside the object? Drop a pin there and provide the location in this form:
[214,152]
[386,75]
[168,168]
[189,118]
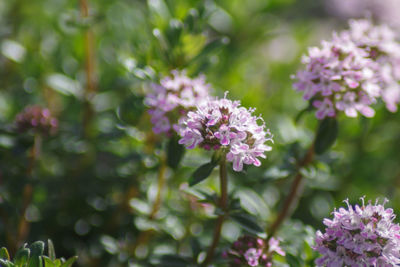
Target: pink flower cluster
[222,123]
[360,236]
[173,98]
[352,71]
[252,251]
[36,119]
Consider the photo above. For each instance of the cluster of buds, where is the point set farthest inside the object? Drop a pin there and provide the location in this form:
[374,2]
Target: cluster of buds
[360,236]
[252,251]
[224,124]
[173,98]
[353,70]
[36,119]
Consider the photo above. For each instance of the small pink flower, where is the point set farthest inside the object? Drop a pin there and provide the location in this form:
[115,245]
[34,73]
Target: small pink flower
[252,255]
[252,251]
[324,108]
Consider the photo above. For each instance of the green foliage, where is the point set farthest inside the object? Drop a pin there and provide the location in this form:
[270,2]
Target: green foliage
[32,256]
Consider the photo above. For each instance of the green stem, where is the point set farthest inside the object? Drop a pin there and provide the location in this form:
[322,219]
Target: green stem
[223,204]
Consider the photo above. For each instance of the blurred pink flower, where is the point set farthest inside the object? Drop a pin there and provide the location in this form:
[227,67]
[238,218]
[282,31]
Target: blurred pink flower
[36,119]
[252,251]
[173,98]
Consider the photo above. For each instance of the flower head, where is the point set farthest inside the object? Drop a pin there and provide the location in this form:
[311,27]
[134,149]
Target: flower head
[252,251]
[173,98]
[222,123]
[360,236]
[36,119]
[350,72]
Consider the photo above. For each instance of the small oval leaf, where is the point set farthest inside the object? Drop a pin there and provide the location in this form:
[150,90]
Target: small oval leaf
[210,47]
[248,222]
[175,152]
[326,135]
[202,173]
[173,261]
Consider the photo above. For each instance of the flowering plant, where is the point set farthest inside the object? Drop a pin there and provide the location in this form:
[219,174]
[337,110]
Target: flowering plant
[154,166]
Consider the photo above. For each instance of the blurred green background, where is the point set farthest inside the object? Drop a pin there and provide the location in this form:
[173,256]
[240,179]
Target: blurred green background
[91,62]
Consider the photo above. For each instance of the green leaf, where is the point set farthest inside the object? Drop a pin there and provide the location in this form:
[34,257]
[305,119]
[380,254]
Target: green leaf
[173,261]
[22,256]
[35,261]
[248,222]
[196,247]
[210,47]
[173,32]
[57,262]
[175,152]
[130,110]
[159,8]
[326,135]
[309,108]
[51,250]
[37,248]
[6,263]
[202,173]
[293,261]
[4,254]
[48,262]
[69,262]
[191,19]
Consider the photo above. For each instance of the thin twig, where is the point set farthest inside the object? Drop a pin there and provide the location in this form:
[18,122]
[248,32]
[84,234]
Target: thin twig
[23,225]
[145,236]
[223,203]
[294,193]
[91,84]
[160,187]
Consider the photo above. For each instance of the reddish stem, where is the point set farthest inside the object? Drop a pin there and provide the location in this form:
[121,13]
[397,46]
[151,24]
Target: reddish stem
[91,85]
[294,193]
[224,206]
[23,225]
